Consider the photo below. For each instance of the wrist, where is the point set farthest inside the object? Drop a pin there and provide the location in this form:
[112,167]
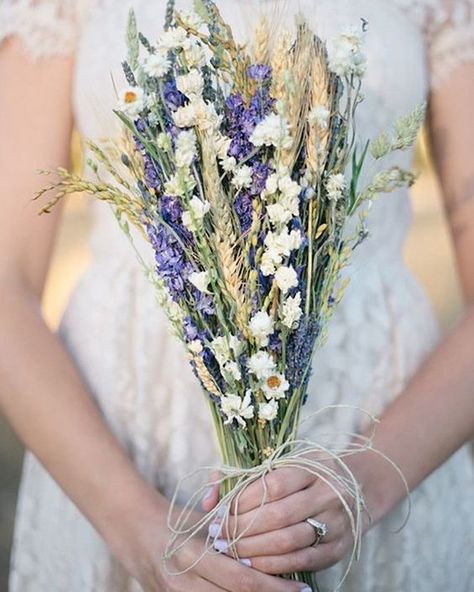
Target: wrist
[380,482]
[136,529]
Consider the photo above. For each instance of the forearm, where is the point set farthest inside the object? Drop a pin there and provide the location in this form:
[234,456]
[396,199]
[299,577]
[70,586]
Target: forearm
[45,400]
[428,422]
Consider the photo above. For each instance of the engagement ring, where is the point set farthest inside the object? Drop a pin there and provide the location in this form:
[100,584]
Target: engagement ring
[320,529]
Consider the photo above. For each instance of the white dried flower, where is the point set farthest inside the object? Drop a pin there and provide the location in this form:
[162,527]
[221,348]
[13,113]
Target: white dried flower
[193,218]
[261,365]
[132,101]
[242,177]
[271,259]
[195,56]
[271,184]
[185,148]
[229,164]
[237,408]
[273,130]
[174,38]
[283,242]
[291,311]
[180,184]
[163,142]
[275,386]
[345,55]
[335,186]
[319,116]
[261,327]
[289,188]
[233,369]
[186,116]
[190,84]
[156,64]
[200,279]
[268,411]
[286,278]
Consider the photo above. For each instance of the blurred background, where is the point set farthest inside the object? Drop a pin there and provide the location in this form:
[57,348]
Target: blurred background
[428,253]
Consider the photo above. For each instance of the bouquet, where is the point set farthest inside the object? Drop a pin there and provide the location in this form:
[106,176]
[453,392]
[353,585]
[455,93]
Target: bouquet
[241,167]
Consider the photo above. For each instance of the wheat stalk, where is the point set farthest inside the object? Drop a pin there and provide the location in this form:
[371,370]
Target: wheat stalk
[260,46]
[320,95]
[225,239]
[205,377]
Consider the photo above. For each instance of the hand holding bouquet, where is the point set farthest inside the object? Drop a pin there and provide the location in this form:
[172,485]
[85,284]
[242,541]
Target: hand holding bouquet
[241,167]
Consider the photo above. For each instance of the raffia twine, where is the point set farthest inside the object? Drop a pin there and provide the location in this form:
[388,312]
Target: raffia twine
[341,480]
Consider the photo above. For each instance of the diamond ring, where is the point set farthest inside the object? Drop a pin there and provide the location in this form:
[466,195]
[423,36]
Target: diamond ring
[320,529]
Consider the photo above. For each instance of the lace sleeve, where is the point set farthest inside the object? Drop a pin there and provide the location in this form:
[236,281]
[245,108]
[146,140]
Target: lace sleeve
[46,27]
[450,33]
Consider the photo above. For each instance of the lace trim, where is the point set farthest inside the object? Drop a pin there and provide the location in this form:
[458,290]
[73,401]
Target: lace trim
[46,27]
[453,48]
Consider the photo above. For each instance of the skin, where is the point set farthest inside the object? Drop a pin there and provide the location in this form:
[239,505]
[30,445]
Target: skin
[440,394]
[42,394]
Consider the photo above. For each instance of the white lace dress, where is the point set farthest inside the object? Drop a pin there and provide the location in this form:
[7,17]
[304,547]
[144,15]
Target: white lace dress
[138,374]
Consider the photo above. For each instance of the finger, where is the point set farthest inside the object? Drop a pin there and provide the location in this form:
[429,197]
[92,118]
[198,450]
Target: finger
[211,495]
[199,584]
[311,559]
[274,486]
[232,576]
[275,542]
[272,516]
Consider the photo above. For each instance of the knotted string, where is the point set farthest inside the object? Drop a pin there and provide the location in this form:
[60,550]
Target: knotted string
[339,478]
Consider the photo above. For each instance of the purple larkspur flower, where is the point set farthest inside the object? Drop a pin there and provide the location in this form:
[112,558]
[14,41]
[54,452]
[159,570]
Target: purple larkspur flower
[191,332]
[260,173]
[274,344]
[173,97]
[259,72]
[171,209]
[204,303]
[299,352]
[152,171]
[171,263]
[244,210]
[240,147]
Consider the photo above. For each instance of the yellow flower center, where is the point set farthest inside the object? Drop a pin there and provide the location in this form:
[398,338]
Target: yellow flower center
[273,382]
[130,96]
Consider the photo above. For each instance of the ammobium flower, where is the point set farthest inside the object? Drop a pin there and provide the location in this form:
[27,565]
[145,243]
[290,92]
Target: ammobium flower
[286,278]
[234,407]
[132,101]
[274,130]
[275,386]
[268,411]
[346,56]
[319,116]
[291,311]
[174,38]
[335,186]
[242,177]
[156,64]
[185,148]
[190,84]
[261,327]
[200,279]
[192,219]
[261,365]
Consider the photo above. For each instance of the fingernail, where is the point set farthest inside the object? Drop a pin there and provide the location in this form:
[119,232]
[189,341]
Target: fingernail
[246,562]
[221,545]
[214,529]
[207,493]
[306,589]
[221,512]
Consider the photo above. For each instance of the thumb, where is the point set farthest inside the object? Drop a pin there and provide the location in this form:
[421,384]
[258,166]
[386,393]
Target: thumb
[211,495]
